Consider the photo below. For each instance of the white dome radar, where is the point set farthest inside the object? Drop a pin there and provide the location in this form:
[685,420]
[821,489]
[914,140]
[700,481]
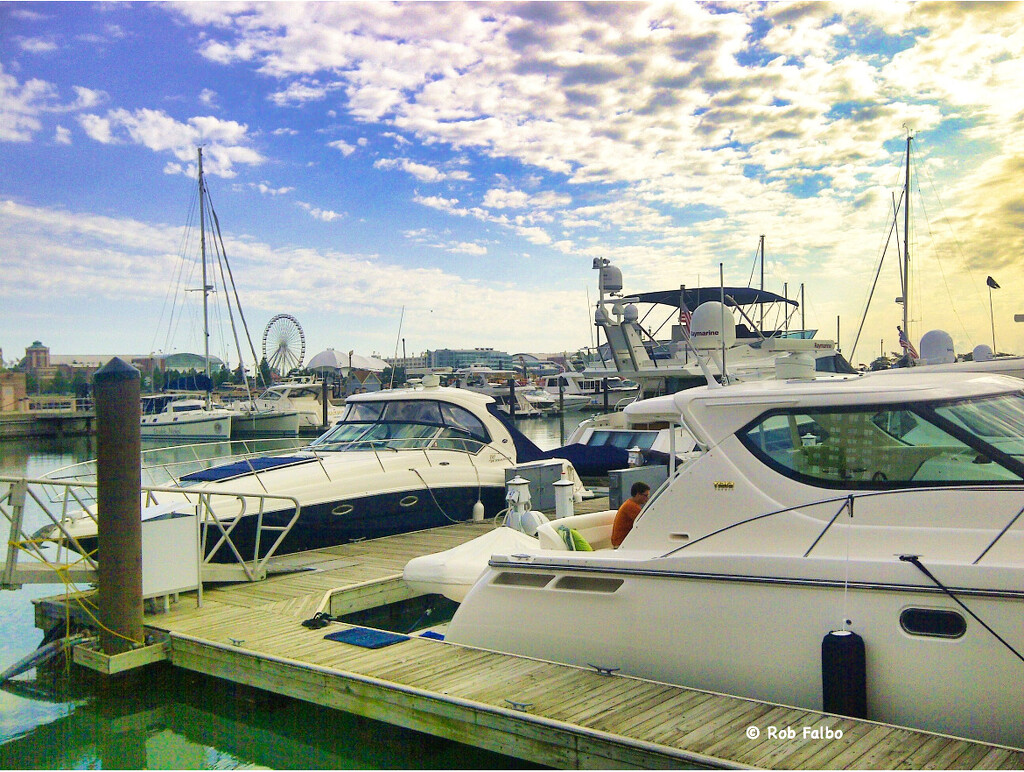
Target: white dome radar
[712,326]
[937,348]
[982,353]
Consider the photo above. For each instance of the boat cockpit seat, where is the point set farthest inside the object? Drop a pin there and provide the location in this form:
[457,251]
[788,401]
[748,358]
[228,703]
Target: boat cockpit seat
[595,528]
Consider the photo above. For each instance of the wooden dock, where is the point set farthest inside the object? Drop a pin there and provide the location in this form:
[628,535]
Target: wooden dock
[552,714]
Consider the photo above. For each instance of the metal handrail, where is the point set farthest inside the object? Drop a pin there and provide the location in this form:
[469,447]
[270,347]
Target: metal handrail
[85,471]
[205,503]
[846,503]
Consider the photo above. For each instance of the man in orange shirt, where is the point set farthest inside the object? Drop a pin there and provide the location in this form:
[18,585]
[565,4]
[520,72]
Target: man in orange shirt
[629,511]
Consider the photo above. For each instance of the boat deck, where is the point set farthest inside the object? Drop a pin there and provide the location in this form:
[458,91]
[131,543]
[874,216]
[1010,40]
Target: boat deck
[552,714]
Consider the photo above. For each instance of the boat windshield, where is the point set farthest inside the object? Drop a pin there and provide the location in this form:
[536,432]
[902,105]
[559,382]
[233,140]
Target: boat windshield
[623,438]
[405,425]
[968,441]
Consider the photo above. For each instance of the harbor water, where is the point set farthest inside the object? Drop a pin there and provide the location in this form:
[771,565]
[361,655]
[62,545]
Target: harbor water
[166,718]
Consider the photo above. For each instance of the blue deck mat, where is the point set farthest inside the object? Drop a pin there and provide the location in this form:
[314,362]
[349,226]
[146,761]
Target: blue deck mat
[365,637]
[239,468]
[432,635]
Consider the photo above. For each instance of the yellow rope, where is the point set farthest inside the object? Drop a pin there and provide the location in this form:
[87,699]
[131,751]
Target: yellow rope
[64,574]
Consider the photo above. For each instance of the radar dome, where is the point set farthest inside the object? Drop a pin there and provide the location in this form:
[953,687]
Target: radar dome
[937,348]
[982,353]
[712,326]
[630,313]
[611,278]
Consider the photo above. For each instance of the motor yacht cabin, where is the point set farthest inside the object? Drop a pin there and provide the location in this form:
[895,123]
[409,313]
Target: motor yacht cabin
[885,509]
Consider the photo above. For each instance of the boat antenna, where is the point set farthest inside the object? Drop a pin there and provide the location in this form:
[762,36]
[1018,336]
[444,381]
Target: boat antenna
[760,246]
[401,319]
[906,238]
[721,282]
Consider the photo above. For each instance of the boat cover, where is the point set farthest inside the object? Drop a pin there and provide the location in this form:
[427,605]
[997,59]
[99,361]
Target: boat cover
[589,461]
[244,467]
[743,296]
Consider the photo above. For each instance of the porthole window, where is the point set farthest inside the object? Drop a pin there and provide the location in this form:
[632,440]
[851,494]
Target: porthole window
[933,622]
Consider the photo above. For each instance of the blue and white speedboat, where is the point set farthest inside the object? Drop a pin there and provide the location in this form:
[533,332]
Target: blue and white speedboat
[397,461]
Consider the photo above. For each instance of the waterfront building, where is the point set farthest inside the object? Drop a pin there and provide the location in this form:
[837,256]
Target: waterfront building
[13,394]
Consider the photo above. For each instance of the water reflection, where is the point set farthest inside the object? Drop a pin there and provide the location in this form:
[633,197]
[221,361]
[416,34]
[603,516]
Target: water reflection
[169,718]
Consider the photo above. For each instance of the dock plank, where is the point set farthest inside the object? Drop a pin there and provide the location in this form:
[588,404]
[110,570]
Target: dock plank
[574,717]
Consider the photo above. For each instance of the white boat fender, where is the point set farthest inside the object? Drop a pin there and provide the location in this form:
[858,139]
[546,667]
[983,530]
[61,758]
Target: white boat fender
[844,674]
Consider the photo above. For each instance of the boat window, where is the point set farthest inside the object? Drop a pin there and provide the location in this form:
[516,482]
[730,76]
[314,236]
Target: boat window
[933,622]
[623,439]
[270,396]
[363,411]
[403,425]
[878,447]
[997,420]
[418,411]
[460,418]
[456,439]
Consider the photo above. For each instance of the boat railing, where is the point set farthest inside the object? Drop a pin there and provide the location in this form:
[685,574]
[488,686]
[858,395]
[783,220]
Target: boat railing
[158,469]
[837,506]
[43,517]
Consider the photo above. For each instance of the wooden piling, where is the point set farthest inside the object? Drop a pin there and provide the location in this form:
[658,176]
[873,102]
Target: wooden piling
[119,507]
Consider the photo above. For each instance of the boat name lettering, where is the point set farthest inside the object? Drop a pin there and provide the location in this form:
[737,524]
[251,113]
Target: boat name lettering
[704,333]
[721,485]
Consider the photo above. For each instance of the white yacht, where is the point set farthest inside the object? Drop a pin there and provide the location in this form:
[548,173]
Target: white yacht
[183,418]
[397,461]
[747,350]
[306,398]
[248,420]
[609,391]
[885,509]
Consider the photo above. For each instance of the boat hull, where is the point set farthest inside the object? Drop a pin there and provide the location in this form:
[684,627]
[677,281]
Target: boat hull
[204,428]
[265,424]
[760,637]
[330,523]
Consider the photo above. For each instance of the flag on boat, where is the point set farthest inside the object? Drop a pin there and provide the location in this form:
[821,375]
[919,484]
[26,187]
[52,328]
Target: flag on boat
[991,282]
[684,313]
[906,345]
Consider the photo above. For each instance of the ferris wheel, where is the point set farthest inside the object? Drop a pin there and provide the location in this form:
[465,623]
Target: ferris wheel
[284,343]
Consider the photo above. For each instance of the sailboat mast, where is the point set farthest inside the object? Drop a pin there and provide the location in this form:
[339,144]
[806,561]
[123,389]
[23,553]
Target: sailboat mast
[206,287]
[906,243]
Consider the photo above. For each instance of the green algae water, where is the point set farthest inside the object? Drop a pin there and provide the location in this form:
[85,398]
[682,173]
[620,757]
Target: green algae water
[66,717]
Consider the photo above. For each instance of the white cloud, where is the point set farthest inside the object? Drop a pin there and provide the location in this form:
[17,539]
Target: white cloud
[225,143]
[87,98]
[506,199]
[21,105]
[265,189]
[422,172]
[326,215]
[36,45]
[448,205]
[208,97]
[62,136]
[345,148]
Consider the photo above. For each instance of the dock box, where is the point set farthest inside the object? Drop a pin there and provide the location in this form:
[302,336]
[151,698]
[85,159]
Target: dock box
[542,476]
[621,480]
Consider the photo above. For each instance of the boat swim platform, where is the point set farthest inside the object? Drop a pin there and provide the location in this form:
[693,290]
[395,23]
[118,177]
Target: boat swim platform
[557,715]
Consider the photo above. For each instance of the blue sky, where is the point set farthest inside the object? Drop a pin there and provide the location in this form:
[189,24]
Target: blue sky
[455,168]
